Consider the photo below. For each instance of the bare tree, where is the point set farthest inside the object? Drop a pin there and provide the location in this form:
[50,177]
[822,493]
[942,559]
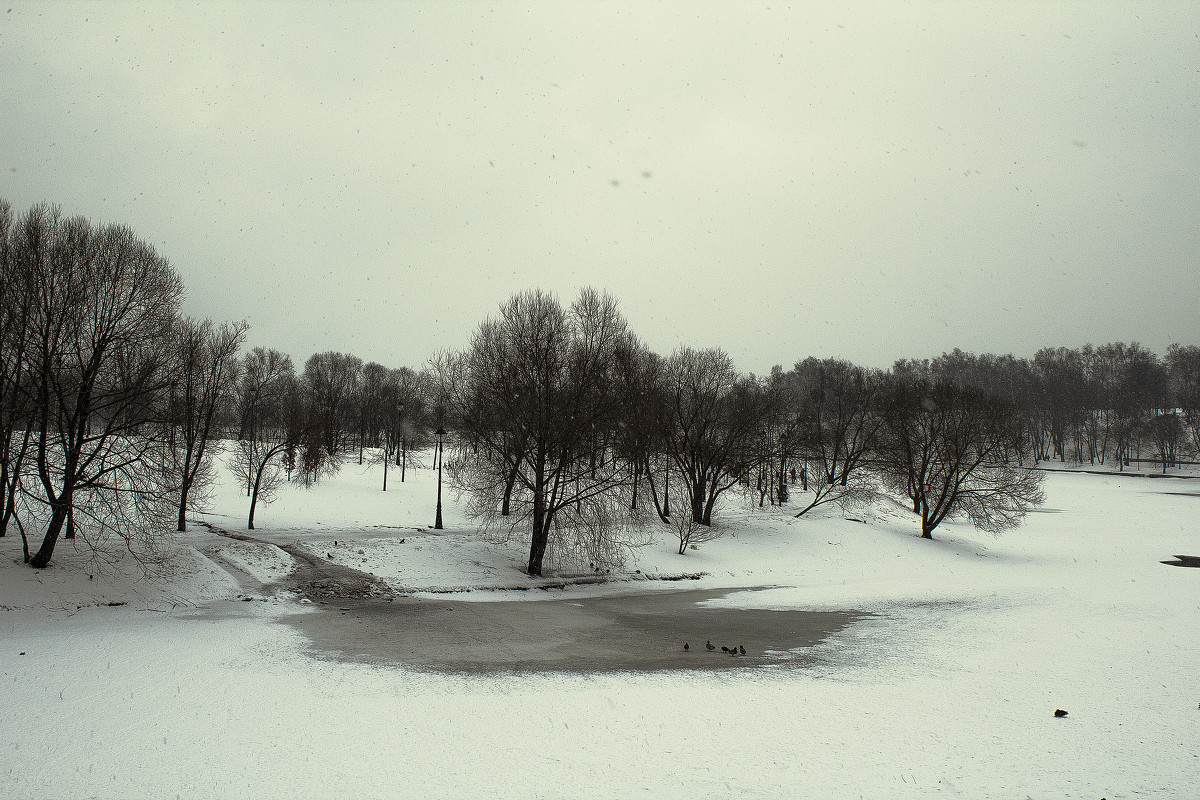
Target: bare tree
[1006,378]
[1166,433]
[101,307]
[942,448]
[531,402]
[837,422]
[273,424]
[1183,365]
[15,405]
[1063,390]
[372,393]
[715,417]
[331,383]
[414,415]
[1128,387]
[642,421]
[783,429]
[203,379]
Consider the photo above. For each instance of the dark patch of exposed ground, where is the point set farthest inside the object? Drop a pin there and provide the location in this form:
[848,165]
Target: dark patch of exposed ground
[323,581]
[313,577]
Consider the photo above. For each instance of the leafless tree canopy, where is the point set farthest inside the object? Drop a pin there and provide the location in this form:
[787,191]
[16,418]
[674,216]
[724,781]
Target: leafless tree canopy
[331,381]
[534,407]
[98,307]
[203,378]
[15,400]
[273,424]
[943,449]
[1183,363]
[831,419]
[714,425]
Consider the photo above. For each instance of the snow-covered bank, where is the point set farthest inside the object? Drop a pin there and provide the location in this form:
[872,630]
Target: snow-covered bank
[948,691]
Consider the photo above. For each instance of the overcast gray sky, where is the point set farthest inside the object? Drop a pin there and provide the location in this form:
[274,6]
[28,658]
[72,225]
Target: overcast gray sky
[871,180]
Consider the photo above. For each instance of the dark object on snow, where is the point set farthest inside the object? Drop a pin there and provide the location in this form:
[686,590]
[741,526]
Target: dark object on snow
[1058,712]
[686,646]
[725,649]
[709,645]
[742,649]
[1184,561]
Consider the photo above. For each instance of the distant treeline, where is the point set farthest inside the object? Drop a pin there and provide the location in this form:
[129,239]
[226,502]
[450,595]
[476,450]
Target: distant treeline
[561,424]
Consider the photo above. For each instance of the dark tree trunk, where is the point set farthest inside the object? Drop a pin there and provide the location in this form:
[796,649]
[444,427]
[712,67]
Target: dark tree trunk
[183,496]
[666,508]
[253,503]
[4,504]
[509,483]
[637,476]
[9,484]
[663,512]
[185,485]
[710,501]
[699,491]
[931,517]
[929,521]
[254,495]
[57,519]
[541,533]
[8,513]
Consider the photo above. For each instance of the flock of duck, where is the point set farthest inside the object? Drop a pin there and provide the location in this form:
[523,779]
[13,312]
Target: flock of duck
[733,651]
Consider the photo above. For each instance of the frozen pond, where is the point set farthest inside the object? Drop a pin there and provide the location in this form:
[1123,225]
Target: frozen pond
[641,632]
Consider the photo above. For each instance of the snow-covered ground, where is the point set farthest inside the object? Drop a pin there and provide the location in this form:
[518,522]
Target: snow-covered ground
[949,689]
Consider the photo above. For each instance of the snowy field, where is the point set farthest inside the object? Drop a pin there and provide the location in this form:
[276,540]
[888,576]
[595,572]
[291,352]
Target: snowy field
[123,688]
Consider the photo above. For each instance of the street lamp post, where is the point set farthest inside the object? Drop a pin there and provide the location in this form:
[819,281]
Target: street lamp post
[441,436]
